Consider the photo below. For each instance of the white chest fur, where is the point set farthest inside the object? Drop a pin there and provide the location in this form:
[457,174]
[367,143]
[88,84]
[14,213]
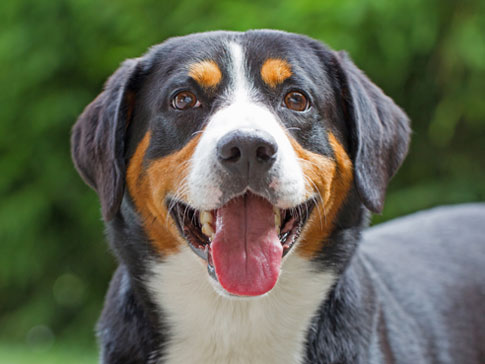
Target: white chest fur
[206,327]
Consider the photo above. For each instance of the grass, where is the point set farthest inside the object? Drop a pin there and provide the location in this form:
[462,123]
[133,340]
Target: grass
[56,354]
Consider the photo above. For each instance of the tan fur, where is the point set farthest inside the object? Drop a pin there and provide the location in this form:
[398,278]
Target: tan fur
[275,71]
[149,184]
[206,73]
[332,180]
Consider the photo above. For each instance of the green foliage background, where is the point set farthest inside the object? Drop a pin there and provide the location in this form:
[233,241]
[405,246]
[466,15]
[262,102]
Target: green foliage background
[55,55]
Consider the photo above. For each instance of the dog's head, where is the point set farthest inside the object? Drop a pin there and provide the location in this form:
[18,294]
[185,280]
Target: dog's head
[244,146]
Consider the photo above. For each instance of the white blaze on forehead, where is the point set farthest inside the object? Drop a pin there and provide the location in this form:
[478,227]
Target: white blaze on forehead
[241,89]
[237,58]
[242,112]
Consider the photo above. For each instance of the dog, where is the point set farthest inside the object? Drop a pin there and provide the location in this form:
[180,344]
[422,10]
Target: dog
[236,173]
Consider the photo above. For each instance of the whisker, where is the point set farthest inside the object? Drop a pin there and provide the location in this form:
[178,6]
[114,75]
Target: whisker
[179,192]
[315,199]
[308,161]
[197,132]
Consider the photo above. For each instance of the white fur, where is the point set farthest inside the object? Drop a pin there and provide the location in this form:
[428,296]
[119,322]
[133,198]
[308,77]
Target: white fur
[206,327]
[242,112]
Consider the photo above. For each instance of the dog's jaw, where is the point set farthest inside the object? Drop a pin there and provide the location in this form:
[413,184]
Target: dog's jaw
[210,328]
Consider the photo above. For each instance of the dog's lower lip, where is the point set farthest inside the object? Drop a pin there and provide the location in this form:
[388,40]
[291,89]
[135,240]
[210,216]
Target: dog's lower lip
[188,222]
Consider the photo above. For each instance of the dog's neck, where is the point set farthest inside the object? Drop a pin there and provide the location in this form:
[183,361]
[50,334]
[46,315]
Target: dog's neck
[208,328]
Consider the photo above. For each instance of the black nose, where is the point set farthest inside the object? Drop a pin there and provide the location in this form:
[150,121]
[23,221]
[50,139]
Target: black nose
[247,152]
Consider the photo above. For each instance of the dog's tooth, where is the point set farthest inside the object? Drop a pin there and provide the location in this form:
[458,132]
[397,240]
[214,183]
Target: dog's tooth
[277,219]
[208,230]
[205,217]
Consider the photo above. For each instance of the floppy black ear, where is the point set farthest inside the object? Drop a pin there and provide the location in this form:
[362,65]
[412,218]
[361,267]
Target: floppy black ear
[98,138]
[379,133]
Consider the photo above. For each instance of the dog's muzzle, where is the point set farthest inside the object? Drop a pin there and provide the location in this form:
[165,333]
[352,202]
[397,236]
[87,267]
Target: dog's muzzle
[247,201]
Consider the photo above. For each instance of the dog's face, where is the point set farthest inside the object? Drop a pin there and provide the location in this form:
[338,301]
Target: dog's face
[243,146]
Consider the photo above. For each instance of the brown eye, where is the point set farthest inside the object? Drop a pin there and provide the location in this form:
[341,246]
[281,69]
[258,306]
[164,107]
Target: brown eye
[296,101]
[185,100]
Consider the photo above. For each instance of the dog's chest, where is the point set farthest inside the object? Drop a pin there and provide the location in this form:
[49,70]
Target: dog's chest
[205,327]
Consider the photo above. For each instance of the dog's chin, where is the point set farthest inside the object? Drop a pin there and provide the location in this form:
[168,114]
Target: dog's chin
[230,296]
[243,242]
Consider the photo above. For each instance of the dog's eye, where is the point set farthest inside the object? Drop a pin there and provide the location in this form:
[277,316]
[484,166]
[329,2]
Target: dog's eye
[185,100]
[295,100]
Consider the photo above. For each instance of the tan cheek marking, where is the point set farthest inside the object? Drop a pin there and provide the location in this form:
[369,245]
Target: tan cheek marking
[332,180]
[206,73]
[149,188]
[274,71]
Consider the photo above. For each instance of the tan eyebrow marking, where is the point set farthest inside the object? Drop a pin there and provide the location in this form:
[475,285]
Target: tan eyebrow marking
[274,71]
[206,73]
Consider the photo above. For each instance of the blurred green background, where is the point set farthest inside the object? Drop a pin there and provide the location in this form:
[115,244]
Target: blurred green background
[54,57]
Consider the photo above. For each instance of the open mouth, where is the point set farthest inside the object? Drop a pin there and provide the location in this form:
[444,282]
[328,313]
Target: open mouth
[243,241]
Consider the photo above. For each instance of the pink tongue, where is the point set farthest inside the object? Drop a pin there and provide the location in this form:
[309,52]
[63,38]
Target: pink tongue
[246,250]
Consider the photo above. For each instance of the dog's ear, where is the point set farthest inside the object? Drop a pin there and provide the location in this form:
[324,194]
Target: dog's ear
[98,138]
[379,132]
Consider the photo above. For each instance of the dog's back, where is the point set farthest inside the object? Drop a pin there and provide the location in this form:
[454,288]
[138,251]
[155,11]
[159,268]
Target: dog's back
[426,277]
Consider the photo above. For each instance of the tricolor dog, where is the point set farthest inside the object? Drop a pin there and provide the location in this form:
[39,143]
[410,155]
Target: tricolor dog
[236,172]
